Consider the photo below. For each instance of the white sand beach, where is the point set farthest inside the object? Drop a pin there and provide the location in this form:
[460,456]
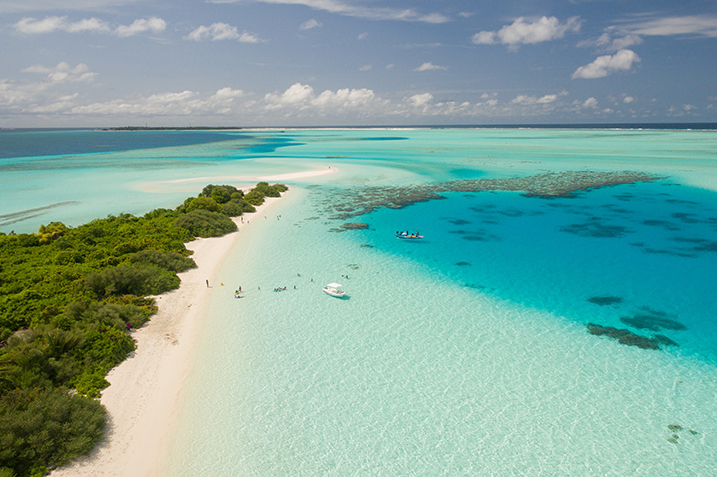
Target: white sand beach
[146,391]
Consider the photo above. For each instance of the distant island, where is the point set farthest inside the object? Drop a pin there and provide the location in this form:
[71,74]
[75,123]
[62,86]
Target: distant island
[169,128]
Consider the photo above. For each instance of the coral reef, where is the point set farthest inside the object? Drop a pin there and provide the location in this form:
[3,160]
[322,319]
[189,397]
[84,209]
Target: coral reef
[354,202]
[623,336]
[652,323]
[354,226]
[605,300]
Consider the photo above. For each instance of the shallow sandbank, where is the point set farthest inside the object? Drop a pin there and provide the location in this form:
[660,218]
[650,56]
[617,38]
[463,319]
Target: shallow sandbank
[190,184]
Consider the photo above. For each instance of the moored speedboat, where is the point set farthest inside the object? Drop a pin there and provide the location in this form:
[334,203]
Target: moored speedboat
[333,289]
[406,235]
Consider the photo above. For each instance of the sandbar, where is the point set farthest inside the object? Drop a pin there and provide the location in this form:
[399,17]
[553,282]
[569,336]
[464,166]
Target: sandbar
[147,390]
[189,184]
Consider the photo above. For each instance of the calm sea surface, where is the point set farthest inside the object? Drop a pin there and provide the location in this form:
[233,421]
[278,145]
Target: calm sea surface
[465,353]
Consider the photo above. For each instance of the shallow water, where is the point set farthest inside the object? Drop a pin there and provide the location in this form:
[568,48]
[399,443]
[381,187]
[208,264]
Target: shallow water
[464,353]
[417,374]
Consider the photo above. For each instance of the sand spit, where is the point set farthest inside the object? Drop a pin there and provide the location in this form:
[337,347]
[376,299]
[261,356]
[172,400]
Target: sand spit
[147,390]
[191,183]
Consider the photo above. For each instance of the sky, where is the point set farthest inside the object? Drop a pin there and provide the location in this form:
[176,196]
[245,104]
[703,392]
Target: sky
[283,63]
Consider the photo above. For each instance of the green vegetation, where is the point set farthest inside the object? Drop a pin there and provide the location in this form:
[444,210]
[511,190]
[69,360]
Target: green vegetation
[67,299]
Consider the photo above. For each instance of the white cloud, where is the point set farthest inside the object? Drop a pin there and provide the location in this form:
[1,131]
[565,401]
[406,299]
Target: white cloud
[32,26]
[521,32]
[309,24]
[694,25]
[628,99]
[590,103]
[430,67]
[184,103]
[418,100]
[17,6]
[226,95]
[366,68]
[390,66]
[63,72]
[221,31]
[345,99]
[606,42]
[297,93]
[153,24]
[362,36]
[300,99]
[625,42]
[51,24]
[604,65]
[530,100]
[360,11]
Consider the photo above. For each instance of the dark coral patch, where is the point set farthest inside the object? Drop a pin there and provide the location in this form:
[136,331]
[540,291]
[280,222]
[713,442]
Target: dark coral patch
[463,264]
[596,228]
[512,212]
[623,336]
[459,222]
[354,226]
[652,323]
[662,339]
[661,223]
[685,217]
[605,300]
[476,235]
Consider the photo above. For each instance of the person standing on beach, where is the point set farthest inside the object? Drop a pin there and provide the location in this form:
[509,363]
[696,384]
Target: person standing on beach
[207,283]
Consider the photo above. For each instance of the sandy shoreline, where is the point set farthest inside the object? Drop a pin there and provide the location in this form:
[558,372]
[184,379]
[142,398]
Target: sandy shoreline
[147,390]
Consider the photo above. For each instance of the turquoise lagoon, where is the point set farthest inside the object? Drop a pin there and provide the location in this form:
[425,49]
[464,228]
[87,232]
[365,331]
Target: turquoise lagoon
[466,353]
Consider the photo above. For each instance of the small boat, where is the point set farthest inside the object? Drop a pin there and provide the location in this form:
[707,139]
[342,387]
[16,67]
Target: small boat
[333,289]
[406,235]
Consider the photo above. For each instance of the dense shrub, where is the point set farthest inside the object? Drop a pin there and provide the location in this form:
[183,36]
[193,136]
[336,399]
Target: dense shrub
[221,193]
[43,429]
[203,203]
[270,190]
[237,207]
[202,223]
[254,197]
[131,280]
[166,260]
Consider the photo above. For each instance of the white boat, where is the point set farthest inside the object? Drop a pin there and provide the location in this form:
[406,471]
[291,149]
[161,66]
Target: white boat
[333,289]
[406,235]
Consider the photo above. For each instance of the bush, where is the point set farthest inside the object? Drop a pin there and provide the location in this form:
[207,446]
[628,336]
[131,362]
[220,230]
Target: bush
[131,280]
[221,194]
[254,197]
[43,429]
[165,260]
[270,191]
[203,203]
[232,208]
[91,384]
[202,223]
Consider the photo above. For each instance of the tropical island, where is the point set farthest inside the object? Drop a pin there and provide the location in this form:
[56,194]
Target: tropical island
[69,296]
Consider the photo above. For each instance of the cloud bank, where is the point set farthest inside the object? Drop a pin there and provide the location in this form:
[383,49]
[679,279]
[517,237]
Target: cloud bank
[32,26]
